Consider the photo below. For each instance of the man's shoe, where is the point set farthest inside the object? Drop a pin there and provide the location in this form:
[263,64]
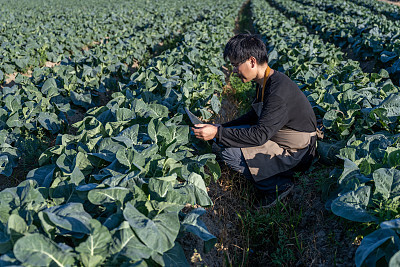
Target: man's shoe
[269,200]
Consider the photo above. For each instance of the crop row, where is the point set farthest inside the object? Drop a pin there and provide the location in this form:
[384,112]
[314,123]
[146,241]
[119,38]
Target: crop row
[53,98]
[112,192]
[389,10]
[360,113]
[52,32]
[369,35]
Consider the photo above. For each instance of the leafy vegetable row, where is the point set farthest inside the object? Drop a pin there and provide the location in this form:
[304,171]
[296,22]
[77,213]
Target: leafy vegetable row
[369,35]
[45,33]
[50,100]
[389,10]
[358,110]
[113,192]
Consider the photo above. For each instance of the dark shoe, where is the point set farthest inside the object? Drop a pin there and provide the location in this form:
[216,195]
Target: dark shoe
[269,200]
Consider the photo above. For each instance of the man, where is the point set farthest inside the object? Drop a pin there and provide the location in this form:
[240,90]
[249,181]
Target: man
[277,136]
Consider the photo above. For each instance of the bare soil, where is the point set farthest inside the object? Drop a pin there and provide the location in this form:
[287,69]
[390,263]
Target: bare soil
[390,2]
[6,182]
[50,64]
[367,66]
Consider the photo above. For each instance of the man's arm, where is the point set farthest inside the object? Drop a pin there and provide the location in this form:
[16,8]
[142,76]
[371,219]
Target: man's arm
[273,117]
[250,118]
[205,131]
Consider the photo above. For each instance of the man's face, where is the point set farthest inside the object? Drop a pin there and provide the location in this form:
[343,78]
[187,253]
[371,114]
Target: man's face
[245,70]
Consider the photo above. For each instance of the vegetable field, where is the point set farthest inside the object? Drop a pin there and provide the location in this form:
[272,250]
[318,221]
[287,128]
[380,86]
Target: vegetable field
[93,128]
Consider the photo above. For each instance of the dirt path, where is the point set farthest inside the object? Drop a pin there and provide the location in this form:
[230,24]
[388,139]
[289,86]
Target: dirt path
[298,232]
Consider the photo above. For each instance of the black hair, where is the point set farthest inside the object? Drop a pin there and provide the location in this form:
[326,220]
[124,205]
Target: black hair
[242,46]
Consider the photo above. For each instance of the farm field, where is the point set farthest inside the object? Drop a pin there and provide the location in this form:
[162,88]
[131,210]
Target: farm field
[98,166]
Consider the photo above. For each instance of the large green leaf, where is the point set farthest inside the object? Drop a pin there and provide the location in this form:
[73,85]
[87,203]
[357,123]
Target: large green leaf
[16,227]
[395,260]
[159,234]
[175,257]
[37,250]
[387,183]
[49,87]
[49,121]
[101,196]
[43,175]
[128,136]
[70,218]
[368,252]
[83,100]
[353,205]
[193,224]
[126,243]
[94,250]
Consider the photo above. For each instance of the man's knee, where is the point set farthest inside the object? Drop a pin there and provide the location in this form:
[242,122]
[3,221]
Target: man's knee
[233,158]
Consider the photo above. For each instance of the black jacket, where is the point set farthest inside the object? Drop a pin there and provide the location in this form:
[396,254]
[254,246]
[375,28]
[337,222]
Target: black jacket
[284,105]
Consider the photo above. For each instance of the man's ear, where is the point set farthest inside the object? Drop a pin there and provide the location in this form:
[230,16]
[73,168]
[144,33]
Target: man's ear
[253,61]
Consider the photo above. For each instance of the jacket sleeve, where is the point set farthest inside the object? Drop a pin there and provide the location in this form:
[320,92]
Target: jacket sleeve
[250,118]
[273,117]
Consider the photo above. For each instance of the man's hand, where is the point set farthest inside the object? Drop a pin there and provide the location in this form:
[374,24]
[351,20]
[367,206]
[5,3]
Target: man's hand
[205,131]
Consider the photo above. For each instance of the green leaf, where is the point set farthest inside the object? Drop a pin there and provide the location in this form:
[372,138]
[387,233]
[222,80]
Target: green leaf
[5,242]
[49,88]
[215,104]
[49,121]
[77,177]
[175,257]
[43,175]
[387,183]
[197,180]
[70,218]
[37,250]
[124,114]
[13,103]
[158,234]
[108,195]
[193,224]
[151,130]
[16,227]
[395,260]
[94,249]
[162,186]
[368,252]
[126,243]
[353,204]
[365,167]
[83,100]
[157,111]
[14,121]
[128,136]
[393,158]
[215,169]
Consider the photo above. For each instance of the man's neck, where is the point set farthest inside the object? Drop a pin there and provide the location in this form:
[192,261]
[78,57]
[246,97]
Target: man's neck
[261,74]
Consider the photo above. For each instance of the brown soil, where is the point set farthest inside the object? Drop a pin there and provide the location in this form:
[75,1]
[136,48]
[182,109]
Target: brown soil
[10,80]
[133,67]
[390,2]
[50,64]
[6,182]
[367,66]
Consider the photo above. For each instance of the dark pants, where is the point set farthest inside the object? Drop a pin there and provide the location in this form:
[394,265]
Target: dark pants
[234,158]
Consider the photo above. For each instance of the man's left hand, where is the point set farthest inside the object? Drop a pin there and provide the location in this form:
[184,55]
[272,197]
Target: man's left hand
[205,131]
